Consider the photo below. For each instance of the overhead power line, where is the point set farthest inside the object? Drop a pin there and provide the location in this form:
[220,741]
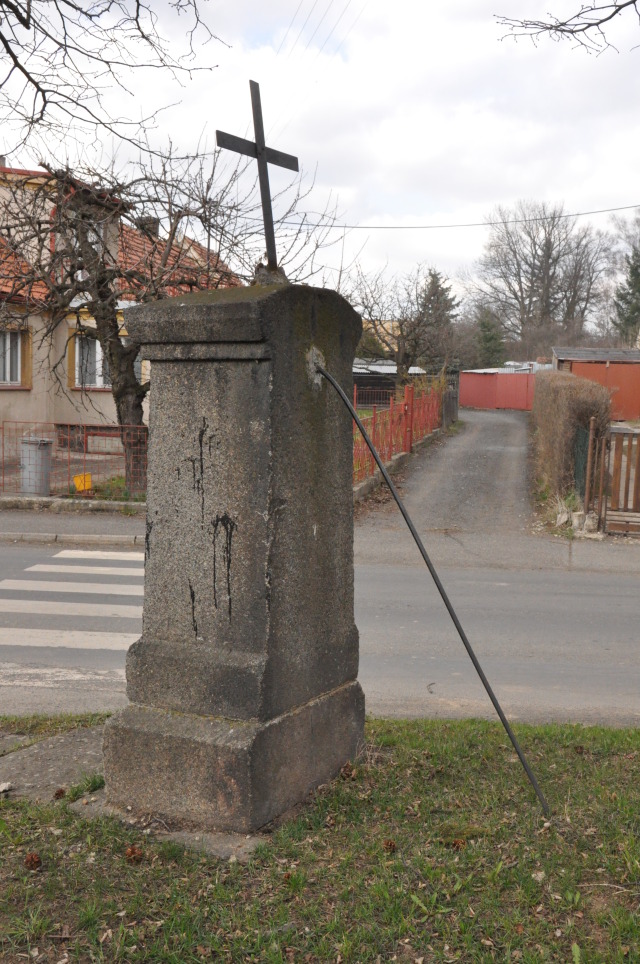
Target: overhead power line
[440,227]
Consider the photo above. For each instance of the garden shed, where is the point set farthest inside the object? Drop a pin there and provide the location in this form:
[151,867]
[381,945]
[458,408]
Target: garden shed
[618,369]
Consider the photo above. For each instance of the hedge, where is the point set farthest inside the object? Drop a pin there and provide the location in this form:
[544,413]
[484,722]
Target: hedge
[563,402]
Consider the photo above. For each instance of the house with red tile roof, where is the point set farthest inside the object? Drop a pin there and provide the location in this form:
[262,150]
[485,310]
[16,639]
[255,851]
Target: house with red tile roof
[49,371]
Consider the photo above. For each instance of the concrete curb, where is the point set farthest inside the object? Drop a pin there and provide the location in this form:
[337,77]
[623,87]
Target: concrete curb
[72,537]
[56,504]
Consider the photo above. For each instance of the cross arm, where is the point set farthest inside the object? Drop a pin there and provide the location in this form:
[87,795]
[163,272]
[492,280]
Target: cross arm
[242,146]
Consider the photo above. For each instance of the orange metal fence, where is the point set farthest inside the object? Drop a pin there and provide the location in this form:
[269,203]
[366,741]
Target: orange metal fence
[110,461]
[53,458]
[395,429]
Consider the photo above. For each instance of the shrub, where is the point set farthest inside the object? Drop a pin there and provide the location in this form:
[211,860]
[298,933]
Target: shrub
[562,403]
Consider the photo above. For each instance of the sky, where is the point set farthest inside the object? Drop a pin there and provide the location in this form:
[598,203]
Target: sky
[413,114]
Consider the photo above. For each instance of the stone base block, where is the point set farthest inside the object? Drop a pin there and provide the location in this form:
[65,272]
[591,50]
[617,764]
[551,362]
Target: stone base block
[227,774]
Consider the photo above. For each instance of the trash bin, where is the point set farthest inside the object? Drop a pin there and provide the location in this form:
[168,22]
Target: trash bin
[35,465]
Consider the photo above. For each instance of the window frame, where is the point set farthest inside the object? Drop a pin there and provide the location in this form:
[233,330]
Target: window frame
[103,381]
[22,339]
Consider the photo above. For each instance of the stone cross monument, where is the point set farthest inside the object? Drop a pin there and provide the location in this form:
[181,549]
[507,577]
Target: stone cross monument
[242,688]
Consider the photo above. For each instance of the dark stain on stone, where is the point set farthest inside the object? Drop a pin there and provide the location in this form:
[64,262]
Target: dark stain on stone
[222,524]
[194,623]
[196,480]
[147,539]
[201,435]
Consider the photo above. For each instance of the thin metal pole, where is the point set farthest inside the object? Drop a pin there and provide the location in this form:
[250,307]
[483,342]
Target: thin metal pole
[443,594]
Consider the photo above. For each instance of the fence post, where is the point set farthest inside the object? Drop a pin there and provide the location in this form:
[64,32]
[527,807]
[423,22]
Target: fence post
[374,425]
[392,437]
[408,417]
[355,396]
[587,484]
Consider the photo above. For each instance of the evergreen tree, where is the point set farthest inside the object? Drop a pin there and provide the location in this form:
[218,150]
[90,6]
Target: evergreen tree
[490,340]
[438,308]
[627,300]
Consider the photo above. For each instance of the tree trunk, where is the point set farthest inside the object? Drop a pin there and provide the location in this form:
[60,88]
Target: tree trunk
[128,395]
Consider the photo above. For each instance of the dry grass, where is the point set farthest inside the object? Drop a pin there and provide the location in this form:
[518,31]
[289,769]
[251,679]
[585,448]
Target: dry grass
[563,402]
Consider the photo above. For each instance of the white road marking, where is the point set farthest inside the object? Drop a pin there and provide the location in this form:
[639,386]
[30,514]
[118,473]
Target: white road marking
[98,554]
[68,608]
[91,570]
[11,674]
[98,588]
[72,639]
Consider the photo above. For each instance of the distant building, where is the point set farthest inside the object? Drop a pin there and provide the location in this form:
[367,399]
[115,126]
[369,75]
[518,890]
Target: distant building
[618,369]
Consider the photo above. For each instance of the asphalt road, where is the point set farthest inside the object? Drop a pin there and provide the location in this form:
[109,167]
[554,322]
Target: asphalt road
[554,623]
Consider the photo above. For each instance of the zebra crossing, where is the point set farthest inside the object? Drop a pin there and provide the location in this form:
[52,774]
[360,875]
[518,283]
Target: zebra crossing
[72,573]
[66,623]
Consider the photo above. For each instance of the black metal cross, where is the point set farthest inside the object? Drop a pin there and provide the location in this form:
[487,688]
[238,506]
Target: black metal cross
[264,155]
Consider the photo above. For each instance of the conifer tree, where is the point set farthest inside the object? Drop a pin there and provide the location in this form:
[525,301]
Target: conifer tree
[627,300]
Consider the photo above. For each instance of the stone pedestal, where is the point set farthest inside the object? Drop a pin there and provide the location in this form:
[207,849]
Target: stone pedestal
[243,685]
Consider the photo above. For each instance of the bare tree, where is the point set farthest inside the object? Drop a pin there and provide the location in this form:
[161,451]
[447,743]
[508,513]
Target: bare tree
[411,316]
[83,248]
[541,274]
[59,59]
[587,26]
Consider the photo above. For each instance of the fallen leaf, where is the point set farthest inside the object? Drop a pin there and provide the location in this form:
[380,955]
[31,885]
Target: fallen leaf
[133,854]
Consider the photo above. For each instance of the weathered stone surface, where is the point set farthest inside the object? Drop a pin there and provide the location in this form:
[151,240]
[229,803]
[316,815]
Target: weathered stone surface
[225,774]
[248,613]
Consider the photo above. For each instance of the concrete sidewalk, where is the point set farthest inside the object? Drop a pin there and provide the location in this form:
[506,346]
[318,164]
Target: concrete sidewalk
[40,520]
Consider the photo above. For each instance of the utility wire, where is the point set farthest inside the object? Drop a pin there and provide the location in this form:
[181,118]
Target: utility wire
[441,227]
[282,42]
[346,36]
[333,29]
[319,24]
[295,43]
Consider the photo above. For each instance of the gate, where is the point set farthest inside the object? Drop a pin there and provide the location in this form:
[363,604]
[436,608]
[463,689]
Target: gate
[619,496]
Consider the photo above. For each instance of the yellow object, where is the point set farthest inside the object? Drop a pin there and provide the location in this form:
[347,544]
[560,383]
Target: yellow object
[82,482]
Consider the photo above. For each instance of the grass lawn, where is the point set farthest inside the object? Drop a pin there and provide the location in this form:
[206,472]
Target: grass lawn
[430,848]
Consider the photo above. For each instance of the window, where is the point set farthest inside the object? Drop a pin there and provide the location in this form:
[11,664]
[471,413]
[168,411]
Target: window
[92,368]
[88,365]
[10,358]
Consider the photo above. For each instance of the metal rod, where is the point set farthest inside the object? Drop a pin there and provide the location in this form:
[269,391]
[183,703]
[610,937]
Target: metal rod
[441,590]
[263,176]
